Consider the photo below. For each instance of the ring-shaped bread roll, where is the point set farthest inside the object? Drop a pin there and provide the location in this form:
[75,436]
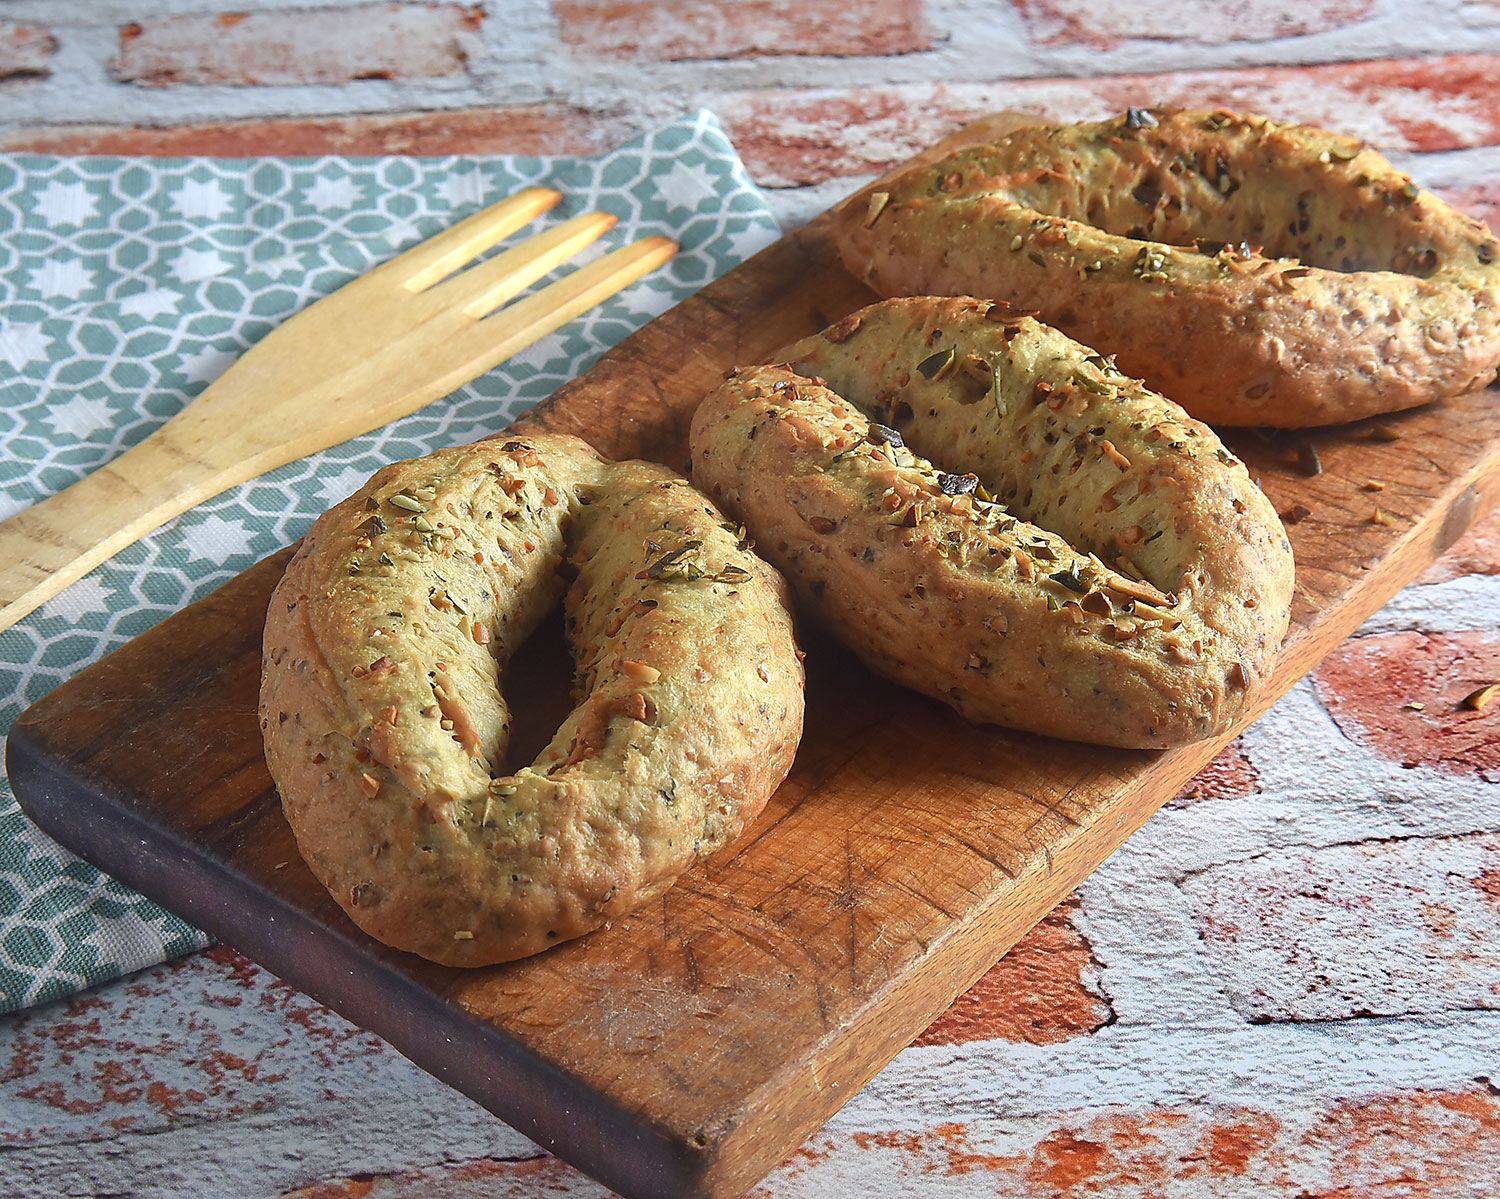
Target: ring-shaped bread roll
[384,720]
[1258,273]
[1087,560]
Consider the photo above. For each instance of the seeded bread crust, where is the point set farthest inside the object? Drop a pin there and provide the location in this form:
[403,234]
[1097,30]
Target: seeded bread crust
[1085,560]
[1141,236]
[384,720]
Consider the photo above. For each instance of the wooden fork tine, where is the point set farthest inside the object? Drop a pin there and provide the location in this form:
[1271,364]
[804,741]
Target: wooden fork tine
[482,288]
[512,329]
[424,264]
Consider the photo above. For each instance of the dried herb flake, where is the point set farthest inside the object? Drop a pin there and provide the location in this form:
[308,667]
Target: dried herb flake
[938,365]
[1072,578]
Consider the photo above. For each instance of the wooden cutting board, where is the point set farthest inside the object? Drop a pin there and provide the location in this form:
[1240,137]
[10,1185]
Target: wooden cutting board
[689,1048]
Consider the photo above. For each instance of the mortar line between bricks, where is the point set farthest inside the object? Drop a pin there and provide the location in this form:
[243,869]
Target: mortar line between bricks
[374,1176]
[1101,986]
[1374,1018]
[1178,877]
[1137,1064]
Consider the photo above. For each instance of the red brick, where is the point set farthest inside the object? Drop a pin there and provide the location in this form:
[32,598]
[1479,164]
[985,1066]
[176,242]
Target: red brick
[1107,23]
[1130,1153]
[793,137]
[25,50]
[1477,552]
[1035,993]
[1417,1144]
[1480,199]
[191,1040]
[673,30]
[1369,684]
[542,129]
[1229,775]
[1380,928]
[298,46]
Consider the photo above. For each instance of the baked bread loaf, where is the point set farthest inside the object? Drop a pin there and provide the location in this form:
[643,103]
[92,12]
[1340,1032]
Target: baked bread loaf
[1021,530]
[385,725]
[1258,273]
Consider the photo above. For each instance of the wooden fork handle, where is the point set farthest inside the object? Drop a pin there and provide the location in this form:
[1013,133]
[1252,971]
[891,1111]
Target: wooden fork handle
[61,538]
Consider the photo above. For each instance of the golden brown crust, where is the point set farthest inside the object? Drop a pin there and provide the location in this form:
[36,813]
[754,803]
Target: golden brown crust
[384,720]
[1371,294]
[1147,611]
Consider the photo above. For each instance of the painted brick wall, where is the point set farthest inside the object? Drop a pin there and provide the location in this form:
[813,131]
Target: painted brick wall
[817,93]
[1285,984]
[310,45]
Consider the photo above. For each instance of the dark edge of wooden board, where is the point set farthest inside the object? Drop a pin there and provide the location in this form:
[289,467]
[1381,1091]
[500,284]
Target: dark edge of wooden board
[529,1093]
[315,949]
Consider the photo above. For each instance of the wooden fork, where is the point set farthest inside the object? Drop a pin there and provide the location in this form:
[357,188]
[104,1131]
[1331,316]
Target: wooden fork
[378,348]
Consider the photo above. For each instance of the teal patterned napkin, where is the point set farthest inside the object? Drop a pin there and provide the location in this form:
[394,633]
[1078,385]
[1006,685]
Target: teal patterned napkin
[127,285]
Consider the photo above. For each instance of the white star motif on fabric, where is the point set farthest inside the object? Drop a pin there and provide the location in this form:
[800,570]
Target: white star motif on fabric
[148,305]
[403,232]
[194,199]
[22,343]
[55,278]
[339,487]
[540,353]
[207,364]
[277,267]
[66,204]
[216,539]
[328,194]
[80,416]
[86,596]
[193,266]
[686,187]
[750,241]
[463,189]
[644,300]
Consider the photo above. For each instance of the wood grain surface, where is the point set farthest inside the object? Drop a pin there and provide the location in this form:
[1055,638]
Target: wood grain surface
[688,1048]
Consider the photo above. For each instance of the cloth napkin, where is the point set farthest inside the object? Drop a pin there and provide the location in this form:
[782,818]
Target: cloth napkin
[127,285]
